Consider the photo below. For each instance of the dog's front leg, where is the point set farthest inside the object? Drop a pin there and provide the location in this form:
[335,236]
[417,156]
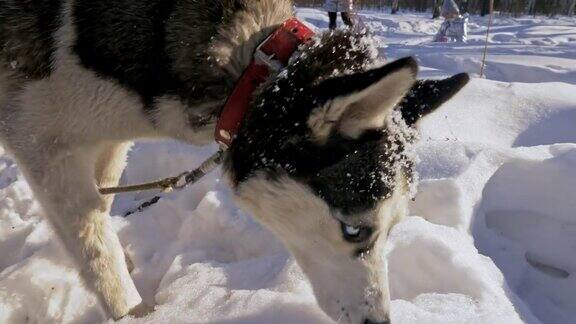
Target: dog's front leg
[110,163]
[63,181]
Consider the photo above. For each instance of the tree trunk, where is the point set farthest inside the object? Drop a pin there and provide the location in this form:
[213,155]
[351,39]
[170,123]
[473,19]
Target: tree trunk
[436,9]
[531,7]
[395,6]
[570,8]
[554,9]
[485,8]
[464,6]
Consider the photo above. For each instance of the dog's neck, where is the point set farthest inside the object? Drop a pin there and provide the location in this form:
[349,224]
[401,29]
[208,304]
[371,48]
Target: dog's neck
[212,42]
[233,47]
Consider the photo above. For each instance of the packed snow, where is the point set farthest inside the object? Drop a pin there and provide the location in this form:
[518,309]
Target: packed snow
[490,239]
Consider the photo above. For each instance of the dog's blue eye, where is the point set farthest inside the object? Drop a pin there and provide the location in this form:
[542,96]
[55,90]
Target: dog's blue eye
[351,230]
[355,234]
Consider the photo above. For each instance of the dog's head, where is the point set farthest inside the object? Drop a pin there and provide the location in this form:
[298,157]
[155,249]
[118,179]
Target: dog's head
[322,161]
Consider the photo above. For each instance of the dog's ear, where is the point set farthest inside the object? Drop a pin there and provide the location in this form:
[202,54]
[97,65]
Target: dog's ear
[362,101]
[427,95]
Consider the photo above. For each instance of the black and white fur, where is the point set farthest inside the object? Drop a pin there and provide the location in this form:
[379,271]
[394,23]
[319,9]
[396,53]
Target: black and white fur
[320,160]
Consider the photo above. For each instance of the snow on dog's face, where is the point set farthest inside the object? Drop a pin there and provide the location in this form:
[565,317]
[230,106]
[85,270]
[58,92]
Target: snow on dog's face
[323,163]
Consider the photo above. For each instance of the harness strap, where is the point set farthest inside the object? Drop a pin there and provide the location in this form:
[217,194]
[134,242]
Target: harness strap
[270,56]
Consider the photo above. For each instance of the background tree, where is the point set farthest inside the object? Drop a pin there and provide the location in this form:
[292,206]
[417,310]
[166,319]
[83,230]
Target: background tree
[436,10]
[395,6]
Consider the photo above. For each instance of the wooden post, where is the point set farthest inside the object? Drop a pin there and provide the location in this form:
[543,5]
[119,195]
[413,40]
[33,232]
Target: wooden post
[491,11]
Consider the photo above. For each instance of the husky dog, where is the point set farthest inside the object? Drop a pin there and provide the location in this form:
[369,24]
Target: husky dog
[320,159]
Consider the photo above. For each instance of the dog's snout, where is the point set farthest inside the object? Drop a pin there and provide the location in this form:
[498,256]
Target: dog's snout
[369,321]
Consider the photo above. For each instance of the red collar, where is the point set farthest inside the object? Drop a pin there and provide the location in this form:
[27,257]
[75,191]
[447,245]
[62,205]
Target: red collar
[270,56]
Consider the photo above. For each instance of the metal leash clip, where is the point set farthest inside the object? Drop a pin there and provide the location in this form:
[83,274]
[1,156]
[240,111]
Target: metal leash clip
[268,60]
[173,183]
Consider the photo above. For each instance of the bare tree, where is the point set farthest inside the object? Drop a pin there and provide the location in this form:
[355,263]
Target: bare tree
[569,8]
[436,9]
[395,6]
[463,6]
[531,7]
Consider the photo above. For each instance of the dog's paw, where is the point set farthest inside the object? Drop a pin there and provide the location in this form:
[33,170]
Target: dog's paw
[141,310]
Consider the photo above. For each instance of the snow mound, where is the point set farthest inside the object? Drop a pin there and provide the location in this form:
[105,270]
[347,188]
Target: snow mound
[536,230]
[437,276]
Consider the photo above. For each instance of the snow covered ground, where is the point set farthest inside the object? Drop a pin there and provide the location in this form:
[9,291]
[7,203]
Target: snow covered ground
[492,238]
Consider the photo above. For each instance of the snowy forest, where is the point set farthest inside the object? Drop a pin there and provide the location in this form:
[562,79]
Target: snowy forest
[504,7]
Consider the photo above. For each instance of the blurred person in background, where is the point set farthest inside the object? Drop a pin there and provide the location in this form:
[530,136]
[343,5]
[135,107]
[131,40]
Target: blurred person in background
[455,26]
[345,7]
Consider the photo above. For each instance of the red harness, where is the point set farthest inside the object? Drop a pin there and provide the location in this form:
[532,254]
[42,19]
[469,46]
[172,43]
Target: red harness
[270,57]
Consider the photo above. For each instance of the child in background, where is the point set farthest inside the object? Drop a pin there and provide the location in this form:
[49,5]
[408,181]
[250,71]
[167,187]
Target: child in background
[345,7]
[455,26]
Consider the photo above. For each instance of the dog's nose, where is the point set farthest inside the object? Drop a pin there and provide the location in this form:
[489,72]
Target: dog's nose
[369,321]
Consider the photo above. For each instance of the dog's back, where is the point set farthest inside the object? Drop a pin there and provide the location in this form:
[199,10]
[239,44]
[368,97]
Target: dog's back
[26,48]
[26,33]
[150,47]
